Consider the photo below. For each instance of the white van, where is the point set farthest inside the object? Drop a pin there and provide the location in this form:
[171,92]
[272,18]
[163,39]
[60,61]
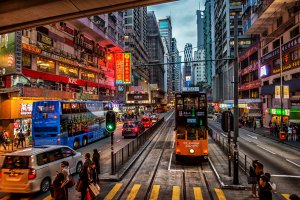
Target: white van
[33,169]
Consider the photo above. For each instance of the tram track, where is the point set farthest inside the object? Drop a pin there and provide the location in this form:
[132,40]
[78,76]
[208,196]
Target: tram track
[160,139]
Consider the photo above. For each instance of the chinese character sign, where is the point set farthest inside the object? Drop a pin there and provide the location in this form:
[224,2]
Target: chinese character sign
[286,92]
[127,68]
[277,92]
[119,67]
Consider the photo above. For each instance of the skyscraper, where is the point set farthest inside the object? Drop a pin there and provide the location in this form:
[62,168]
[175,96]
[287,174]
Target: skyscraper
[188,65]
[175,66]
[200,34]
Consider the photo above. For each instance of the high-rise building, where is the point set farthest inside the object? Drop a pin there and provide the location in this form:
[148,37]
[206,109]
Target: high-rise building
[198,75]
[165,27]
[156,59]
[224,12]
[188,57]
[200,34]
[67,61]
[175,66]
[135,22]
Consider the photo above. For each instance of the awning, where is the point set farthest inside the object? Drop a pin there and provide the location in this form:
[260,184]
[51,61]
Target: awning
[294,85]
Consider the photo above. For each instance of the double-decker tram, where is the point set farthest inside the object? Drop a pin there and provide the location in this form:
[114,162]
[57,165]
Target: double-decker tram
[191,124]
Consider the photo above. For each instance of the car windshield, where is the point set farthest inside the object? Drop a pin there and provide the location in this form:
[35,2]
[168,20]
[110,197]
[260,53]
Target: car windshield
[16,162]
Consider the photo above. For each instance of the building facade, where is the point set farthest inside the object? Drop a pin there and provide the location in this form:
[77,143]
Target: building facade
[67,60]
[188,57]
[277,38]
[200,28]
[175,66]
[198,74]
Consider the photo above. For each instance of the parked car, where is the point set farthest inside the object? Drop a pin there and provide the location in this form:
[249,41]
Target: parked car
[132,128]
[146,120]
[33,169]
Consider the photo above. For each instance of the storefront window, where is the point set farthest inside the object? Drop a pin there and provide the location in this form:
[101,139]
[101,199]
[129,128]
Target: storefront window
[26,60]
[45,65]
[89,76]
[66,70]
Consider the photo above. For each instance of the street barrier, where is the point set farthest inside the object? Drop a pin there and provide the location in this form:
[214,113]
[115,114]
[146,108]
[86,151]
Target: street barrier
[123,155]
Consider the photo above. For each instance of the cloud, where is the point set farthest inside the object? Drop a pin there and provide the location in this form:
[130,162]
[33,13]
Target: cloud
[183,18]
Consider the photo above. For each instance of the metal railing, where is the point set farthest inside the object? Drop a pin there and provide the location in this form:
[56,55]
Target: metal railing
[222,141]
[123,155]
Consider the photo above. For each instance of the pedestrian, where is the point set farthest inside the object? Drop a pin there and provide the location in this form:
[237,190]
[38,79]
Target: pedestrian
[21,138]
[84,176]
[259,170]
[2,140]
[272,184]
[93,173]
[289,133]
[254,125]
[264,191]
[253,179]
[294,197]
[96,160]
[294,133]
[58,191]
[65,170]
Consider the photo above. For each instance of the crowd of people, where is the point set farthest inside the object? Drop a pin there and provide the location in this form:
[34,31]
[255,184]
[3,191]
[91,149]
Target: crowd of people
[293,130]
[18,140]
[262,186]
[88,175]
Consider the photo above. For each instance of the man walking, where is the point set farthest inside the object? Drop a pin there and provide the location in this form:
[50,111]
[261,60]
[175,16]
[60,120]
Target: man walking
[2,140]
[21,138]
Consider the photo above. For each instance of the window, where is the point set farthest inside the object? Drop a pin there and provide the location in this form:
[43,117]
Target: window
[265,50]
[66,108]
[295,55]
[16,162]
[276,63]
[266,83]
[45,107]
[55,155]
[276,44]
[202,134]
[26,60]
[294,32]
[191,134]
[180,133]
[42,159]
[67,152]
[45,65]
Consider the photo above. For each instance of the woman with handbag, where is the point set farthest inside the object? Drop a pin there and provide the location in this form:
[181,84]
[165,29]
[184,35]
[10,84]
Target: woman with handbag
[65,170]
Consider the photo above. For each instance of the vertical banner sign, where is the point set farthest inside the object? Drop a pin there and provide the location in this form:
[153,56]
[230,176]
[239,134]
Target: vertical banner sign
[286,92]
[18,53]
[277,92]
[119,67]
[127,68]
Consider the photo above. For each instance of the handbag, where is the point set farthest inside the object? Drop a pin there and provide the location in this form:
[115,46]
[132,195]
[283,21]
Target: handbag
[71,183]
[79,185]
[93,190]
[252,180]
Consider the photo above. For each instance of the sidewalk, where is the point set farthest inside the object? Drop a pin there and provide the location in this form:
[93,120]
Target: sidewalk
[11,148]
[266,133]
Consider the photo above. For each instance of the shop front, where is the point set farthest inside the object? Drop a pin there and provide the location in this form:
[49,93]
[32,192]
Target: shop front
[276,113]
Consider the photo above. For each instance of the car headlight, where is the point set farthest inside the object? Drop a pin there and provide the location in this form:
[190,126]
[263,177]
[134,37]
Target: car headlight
[192,151]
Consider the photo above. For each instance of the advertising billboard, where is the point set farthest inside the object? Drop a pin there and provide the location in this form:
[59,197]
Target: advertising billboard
[11,53]
[127,68]
[138,97]
[119,68]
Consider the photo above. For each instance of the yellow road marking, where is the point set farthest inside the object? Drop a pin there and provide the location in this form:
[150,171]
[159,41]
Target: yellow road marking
[154,192]
[48,197]
[113,192]
[133,192]
[176,193]
[286,196]
[220,194]
[198,193]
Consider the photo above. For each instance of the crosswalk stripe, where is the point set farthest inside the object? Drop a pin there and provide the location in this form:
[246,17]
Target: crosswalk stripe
[48,197]
[220,194]
[286,196]
[197,193]
[176,193]
[133,192]
[154,192]
[113,192]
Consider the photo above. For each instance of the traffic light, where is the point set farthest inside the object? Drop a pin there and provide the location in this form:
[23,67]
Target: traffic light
[110,120]
[227,121]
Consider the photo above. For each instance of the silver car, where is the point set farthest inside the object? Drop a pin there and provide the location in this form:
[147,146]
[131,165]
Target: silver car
[33,169]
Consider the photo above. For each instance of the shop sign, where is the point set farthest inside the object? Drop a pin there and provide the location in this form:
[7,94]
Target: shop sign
[72,80]
[277,92]
[137,97]
[190,89]
[136,88]
[263,71]
[251,85]
[248,69]
[31,48]
[270,55]
[290,44]
[290,66]
[127,68]
[65,60]
[286,92]
[26,109]
[277,111]
[44,39]
[119,67]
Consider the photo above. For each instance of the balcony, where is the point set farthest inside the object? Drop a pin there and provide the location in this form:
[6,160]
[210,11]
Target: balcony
[264,15]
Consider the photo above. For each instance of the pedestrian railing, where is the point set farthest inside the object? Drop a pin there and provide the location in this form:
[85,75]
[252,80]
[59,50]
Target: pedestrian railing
[123,155]
[222,141]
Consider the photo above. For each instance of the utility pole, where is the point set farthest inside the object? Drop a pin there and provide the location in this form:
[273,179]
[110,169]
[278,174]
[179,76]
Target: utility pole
[236,105]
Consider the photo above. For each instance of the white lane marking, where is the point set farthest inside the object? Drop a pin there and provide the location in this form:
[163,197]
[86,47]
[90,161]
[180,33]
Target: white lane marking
[169,167]
[173,144]
[118,140]
[285,176]
[170,161]
[254,137]
[266,149]
[170,116]
[246,140]
[293,162]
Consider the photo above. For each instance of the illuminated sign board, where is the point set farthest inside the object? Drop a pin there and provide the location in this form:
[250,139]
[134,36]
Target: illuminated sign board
[277,111]
[127,68]
[138,97]
[263,71]
[119,68]
[26,108]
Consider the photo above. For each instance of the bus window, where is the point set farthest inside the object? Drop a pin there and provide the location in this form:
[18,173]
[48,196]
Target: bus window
[45,107]
[74,107]
[82,107]
[180,133]
[202,134]
[191,134]
[66,108]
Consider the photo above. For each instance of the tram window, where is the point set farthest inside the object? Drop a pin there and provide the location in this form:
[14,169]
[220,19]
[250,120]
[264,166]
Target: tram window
[179,104]
[189,103]
[180,133]
[191,134]
[201,134]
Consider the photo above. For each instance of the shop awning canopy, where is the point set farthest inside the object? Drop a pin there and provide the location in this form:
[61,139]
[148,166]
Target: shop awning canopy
[294,85]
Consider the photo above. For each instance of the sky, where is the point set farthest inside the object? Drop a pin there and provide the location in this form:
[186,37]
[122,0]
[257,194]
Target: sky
[183,19]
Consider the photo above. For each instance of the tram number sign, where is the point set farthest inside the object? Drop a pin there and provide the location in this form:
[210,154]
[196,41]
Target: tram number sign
[191,144]
[190,89]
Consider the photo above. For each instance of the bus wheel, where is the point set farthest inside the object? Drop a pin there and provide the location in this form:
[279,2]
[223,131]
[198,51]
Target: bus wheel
[84,141]
[76,144]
